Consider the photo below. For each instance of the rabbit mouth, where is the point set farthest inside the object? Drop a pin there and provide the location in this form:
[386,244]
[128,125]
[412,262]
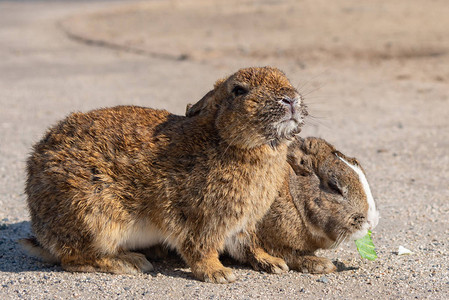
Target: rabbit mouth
[288,127]
[361,232]
[293,113]
[350,234]
[341,237]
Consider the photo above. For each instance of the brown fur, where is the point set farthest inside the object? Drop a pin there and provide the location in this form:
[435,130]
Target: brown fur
[320,201]
[101,183]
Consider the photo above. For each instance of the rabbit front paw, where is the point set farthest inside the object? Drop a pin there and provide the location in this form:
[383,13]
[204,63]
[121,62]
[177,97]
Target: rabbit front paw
[312,264]
[262,261]
[213,271]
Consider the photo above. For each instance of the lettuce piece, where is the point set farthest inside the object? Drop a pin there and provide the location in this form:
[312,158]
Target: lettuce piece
[365,246]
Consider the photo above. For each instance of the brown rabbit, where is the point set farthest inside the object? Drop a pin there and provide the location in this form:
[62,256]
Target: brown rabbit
[103,183]
[324,201]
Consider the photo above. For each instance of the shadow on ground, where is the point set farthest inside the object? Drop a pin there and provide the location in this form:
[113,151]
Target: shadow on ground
[14,259]
[12,256]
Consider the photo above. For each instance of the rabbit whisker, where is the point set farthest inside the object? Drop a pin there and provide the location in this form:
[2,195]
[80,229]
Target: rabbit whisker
[229,145]
[306,82]
[307,93]
[334,245]
[316,117]
[338,241]
[341,237]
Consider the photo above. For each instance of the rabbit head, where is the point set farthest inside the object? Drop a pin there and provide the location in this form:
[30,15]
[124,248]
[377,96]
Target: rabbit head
[253,107]
[331,191]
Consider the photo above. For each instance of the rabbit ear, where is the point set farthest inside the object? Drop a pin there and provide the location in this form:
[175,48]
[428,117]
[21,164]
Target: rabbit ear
[311,146]
[206,103]
[314,146]
[203,104]
[188,107]
[351,160]
[219,82]
[298,160]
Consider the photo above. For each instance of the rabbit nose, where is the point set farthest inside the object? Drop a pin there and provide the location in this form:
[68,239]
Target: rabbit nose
[289,102]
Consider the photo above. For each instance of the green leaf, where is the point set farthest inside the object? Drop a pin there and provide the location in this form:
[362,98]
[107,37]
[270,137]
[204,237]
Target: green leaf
[365,246]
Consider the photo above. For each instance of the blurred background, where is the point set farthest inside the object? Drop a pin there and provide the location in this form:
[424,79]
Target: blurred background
[374,74]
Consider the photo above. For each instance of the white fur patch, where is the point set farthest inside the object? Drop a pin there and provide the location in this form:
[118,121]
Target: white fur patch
[235,246]
[285,128]
[141,235]
[360,233]
[373,214]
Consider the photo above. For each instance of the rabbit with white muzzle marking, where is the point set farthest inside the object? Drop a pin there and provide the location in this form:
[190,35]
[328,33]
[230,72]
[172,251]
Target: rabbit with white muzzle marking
[325,199]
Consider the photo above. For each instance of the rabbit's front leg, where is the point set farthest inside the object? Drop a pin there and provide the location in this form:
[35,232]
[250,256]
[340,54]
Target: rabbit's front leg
[202,257]
[260,260]
[311,264]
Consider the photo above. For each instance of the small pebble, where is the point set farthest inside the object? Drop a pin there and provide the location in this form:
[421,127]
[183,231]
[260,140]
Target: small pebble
[323,279]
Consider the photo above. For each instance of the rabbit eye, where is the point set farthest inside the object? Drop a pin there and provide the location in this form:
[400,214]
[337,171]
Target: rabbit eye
[334,187]
[239,91]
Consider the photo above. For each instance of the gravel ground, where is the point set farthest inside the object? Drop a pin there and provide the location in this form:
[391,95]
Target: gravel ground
[378,92]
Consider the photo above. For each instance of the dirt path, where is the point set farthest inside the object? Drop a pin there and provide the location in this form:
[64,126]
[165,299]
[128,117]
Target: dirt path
[375,77]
